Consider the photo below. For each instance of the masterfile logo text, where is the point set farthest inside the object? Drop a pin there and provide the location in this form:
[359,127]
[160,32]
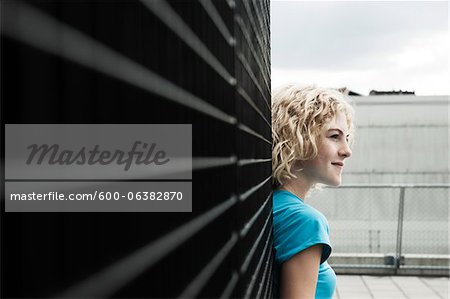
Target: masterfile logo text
[98,151]
[140,153]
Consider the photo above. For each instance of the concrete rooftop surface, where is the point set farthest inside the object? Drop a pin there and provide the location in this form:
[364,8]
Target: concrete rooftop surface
[391,287]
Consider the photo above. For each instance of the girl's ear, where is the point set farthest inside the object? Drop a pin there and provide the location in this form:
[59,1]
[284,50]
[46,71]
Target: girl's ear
[298,166]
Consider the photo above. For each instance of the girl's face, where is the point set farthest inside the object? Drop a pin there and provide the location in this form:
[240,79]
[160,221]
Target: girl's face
[327,167]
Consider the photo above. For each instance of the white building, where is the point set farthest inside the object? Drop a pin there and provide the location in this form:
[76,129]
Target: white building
[400,139]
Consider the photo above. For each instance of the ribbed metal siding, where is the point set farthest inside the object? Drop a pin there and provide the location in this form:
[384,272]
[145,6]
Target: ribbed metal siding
[252,56]
[200,62]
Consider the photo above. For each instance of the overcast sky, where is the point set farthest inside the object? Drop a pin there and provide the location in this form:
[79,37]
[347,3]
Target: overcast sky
[362,45]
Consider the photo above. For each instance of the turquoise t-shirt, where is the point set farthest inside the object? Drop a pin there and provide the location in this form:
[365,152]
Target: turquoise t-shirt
[297,226]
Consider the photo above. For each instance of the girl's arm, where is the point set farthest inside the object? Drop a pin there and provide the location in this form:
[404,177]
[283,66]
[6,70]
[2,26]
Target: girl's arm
[299,274]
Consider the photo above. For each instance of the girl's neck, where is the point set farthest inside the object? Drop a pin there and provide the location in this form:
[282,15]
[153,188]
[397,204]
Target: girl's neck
[297,187]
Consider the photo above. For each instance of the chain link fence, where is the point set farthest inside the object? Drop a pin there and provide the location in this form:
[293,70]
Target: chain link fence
[395,227]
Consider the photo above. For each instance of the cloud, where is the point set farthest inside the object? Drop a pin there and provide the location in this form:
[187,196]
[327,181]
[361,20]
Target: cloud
[349,34]
[362,45]
[363,81]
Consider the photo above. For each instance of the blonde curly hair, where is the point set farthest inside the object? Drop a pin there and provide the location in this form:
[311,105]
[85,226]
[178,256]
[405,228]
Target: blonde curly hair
[298,115]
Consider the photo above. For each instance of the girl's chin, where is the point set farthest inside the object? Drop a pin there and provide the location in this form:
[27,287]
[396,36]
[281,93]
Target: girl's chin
[335,183]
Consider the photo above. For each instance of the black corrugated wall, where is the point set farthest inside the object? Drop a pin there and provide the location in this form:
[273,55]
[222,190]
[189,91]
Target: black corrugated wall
[205,63]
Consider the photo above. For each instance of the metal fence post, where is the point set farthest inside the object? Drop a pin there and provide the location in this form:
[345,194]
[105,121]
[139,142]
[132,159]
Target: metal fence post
[398,253]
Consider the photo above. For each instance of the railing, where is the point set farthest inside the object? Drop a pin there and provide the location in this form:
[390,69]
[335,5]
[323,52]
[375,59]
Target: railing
[395,228]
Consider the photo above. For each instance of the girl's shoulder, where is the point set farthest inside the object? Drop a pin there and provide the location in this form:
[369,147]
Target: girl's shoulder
[287,205]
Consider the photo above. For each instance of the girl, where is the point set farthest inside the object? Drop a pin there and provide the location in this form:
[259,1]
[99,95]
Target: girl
[311,128]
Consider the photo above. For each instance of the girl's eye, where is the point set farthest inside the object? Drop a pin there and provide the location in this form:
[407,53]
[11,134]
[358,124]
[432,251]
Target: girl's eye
[335,136]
